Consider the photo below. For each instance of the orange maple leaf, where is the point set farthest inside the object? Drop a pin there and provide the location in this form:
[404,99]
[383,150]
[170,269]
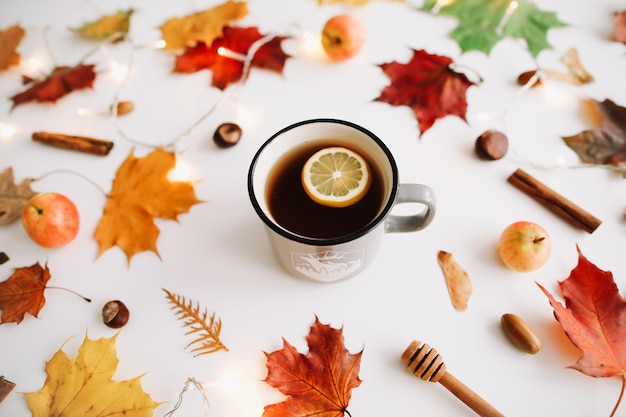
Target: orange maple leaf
[140,192]
[62,81]
[318,384]
[9,40]
[428,85]
[593,319]
[23,293]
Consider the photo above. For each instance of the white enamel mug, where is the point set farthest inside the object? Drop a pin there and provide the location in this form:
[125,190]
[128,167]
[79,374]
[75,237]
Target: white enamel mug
[336,258]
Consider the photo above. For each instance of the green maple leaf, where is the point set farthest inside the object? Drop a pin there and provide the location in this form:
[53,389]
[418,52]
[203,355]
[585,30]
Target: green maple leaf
[483,23]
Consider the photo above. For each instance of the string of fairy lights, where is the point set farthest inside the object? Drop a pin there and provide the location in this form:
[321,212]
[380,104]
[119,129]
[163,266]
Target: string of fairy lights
[121,70]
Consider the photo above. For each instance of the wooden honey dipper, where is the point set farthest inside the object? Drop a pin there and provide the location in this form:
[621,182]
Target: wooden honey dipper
[425,363]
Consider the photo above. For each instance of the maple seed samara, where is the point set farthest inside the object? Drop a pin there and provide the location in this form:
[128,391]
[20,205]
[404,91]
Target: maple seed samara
[50,219]
[524,246]
[343,37]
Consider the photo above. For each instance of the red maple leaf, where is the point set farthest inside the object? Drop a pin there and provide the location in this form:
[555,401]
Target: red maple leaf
[428,85]
[225,69]
[23,293]
[593,319]
[318,384]
[63,80]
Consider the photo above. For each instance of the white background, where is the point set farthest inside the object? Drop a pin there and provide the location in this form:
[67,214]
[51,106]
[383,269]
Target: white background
[217,254]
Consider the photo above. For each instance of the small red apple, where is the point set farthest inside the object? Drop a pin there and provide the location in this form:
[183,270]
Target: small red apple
[343,37]
[524,246]
[50,219]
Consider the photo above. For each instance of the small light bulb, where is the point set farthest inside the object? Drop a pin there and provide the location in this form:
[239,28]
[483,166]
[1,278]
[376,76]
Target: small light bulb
[85,112]
[245,117]
[483,117]
[34,66]
[225,52]
[118,71]
[246,395]
[557,97]
[181,172]
[312,43]
[6,131]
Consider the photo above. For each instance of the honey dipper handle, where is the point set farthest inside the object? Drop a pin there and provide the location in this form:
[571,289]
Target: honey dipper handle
[469,397]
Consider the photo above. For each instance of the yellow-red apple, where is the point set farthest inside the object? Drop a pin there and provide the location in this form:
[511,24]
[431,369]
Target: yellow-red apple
[343,37]
[50,219]
[524,246]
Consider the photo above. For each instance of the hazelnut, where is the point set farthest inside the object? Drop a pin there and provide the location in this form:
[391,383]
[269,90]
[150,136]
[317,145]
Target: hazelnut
[525,77]
[115,314]
[227,134]
[491,145]
[124,107]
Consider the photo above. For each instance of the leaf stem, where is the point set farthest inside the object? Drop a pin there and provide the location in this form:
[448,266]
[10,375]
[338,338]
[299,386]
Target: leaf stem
[621,395]
[67,171]
[72,291]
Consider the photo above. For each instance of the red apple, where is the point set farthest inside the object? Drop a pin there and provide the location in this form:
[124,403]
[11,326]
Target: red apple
[343,37]
[50,219]
[524,246]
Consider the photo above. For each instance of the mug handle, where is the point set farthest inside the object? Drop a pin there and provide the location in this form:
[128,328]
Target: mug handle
[412,193]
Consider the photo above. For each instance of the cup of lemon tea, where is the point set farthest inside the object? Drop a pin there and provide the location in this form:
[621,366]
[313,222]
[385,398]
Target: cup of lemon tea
[325,190]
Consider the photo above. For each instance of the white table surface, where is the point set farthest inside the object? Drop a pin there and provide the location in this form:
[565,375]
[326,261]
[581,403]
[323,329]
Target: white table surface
[217,253]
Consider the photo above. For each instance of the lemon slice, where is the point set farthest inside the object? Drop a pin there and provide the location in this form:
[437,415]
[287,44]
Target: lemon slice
[336,177]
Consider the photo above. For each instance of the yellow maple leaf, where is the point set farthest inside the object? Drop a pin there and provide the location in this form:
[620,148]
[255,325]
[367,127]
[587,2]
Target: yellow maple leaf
[83,386]
[9,40]
[112,27]
[204,26]
[141,191]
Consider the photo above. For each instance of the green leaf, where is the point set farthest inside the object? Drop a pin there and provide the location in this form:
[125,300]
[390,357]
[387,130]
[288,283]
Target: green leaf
[483,23]
[530,23]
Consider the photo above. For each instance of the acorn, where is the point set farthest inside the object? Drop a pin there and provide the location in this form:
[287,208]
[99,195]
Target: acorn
[520,333]
[115,314]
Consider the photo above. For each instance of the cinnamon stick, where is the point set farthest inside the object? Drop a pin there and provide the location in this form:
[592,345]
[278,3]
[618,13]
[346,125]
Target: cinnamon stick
[5,388]
[555,202]
[77,143]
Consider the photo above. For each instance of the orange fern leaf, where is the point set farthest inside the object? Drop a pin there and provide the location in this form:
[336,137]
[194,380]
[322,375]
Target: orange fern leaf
[208,333]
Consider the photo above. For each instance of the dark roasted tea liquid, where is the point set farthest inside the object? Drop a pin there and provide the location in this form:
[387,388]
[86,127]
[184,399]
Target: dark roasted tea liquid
[294,210]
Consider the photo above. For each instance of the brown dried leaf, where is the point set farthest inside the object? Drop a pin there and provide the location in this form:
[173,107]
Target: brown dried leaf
[576,75]
[204,26]
[9,40]
[23,292]
[605,143]
[457,280]
[572,62]
[13,197]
